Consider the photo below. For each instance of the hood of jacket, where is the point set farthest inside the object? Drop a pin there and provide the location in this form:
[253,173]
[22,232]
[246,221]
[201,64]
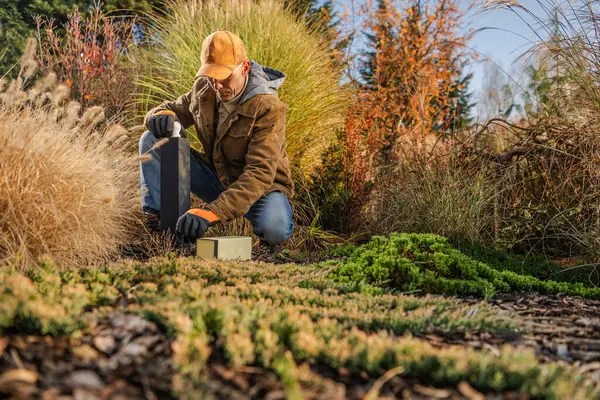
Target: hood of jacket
[261,80]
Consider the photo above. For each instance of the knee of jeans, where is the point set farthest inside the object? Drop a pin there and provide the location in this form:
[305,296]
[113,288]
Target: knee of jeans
[275,230]
[147,140]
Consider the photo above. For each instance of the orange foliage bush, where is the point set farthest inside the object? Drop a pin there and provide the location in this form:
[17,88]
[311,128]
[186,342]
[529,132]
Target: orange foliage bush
[405,102]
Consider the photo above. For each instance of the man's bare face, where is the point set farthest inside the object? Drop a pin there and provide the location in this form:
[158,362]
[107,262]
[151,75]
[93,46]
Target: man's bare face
[230,87]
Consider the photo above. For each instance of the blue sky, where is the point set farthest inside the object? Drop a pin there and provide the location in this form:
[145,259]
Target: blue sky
[500,46]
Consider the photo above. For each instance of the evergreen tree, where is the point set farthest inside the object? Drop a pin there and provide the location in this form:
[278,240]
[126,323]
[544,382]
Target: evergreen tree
[122,6]
[459,115]
[373,46]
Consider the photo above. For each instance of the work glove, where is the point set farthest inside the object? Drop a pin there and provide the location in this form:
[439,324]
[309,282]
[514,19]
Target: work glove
[161,123]
[195,222]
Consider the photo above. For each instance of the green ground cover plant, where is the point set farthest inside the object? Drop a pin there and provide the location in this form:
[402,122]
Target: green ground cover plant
[68,293]
[427,263]
[259,314]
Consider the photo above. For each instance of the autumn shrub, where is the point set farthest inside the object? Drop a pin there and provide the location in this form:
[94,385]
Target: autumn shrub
[411,94]
[67,188]
[273,36]
[427,263]
[92,56]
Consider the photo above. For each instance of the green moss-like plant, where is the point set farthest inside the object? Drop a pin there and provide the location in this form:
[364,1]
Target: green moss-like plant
[427,263]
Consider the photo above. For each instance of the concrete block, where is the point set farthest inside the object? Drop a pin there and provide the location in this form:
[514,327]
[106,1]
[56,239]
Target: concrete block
[225,248]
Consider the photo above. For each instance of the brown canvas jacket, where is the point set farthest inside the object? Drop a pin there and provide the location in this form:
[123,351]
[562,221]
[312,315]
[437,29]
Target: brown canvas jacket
[248,151]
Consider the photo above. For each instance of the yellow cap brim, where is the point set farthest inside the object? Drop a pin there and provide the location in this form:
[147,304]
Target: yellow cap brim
[216,71]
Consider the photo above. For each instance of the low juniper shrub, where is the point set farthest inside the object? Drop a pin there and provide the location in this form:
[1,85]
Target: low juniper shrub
[427,263]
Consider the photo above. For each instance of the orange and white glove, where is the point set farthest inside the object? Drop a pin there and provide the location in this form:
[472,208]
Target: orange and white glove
[195,222]
[161,123]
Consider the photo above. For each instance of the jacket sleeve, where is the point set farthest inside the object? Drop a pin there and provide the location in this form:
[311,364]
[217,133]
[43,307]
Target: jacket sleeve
[262,158]
[181,108]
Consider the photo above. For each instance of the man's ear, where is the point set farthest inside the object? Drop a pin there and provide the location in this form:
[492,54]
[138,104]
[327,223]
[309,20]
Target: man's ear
[246,68]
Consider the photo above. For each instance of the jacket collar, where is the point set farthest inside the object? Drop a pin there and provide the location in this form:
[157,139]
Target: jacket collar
[208,111]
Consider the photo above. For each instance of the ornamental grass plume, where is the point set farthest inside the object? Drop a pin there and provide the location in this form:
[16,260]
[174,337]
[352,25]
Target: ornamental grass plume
[67,189]
[29,65]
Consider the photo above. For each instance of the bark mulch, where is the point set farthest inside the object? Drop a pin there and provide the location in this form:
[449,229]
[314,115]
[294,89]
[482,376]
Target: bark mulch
[122,357]
[560,329]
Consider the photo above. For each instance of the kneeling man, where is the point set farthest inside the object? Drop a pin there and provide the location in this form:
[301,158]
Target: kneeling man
[240,122]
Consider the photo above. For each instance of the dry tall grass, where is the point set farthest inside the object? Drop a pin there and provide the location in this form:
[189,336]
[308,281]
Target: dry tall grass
[454,203]
[67,188]
[548,182]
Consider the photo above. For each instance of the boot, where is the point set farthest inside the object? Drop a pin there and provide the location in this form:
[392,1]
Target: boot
[151,219]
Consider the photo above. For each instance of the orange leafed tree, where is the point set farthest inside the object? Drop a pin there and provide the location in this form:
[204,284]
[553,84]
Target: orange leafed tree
[410,75]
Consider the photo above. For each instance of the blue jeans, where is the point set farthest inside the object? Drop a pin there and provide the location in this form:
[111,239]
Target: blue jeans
[271,216]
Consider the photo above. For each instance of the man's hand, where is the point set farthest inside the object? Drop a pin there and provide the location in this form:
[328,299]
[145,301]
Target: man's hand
[161,123]
[194,223]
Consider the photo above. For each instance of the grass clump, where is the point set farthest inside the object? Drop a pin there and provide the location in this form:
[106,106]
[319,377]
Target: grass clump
[274,37]
[427,263]
[67,185]
[444,198]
